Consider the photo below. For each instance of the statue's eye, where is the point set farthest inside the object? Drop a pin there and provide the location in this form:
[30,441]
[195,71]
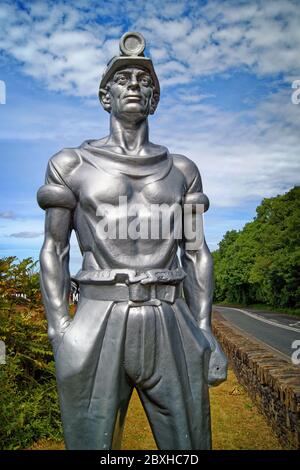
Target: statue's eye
[145,80]
[121,79]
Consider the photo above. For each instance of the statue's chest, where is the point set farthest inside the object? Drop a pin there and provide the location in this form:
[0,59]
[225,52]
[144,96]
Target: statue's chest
[99,188]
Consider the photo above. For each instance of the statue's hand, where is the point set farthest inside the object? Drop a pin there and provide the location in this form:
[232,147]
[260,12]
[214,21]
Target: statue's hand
[217,371]
[57,331]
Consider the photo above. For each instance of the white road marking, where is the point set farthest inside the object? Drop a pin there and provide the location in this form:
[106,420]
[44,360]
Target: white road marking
[257,317]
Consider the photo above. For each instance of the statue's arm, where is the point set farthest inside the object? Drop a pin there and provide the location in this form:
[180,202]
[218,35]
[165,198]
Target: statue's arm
[197,262]
[54,270]
[59,201]
[198,285]
[196,259]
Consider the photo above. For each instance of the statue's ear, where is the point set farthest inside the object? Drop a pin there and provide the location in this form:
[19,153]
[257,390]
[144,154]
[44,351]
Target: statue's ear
[104,97]
[154,102]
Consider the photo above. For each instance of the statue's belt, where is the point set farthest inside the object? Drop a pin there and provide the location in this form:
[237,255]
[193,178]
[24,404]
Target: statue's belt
[147,288]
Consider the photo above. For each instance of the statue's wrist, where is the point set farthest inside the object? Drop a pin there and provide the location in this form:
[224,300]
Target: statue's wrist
[58,321]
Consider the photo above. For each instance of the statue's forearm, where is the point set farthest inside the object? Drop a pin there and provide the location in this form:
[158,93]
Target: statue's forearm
[198,285]
[198,291]
[55,284]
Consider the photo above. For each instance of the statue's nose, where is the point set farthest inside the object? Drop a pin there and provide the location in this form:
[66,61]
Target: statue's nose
[133,83]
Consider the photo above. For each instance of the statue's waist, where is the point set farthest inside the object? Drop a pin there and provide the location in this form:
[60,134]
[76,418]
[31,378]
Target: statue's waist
[135,294]
[149,287]
[130,276]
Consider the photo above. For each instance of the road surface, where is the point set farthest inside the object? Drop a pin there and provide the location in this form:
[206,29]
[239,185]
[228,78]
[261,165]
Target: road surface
[277,331]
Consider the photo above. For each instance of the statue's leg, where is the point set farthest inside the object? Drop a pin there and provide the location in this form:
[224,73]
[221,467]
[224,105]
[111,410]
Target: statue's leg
[176,397]
[93,387]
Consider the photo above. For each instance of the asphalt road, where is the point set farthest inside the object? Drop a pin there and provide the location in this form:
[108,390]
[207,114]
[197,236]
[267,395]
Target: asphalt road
[277,331]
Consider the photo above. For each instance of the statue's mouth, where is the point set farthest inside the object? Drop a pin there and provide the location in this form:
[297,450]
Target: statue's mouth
[133,97]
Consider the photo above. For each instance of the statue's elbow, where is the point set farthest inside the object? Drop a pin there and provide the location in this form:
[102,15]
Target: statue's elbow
[201,256]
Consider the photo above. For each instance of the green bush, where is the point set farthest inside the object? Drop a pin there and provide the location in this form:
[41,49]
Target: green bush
[29,408]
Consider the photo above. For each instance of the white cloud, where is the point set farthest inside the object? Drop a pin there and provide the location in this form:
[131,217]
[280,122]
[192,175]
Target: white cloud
[26,234]
[58,46]
[67,46]
[243,155]
[7,215]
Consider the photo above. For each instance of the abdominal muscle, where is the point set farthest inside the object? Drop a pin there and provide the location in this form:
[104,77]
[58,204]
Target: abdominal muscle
[107,245]
[131,254]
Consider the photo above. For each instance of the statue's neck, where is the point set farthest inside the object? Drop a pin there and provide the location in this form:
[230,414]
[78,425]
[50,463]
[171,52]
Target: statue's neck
[130,137]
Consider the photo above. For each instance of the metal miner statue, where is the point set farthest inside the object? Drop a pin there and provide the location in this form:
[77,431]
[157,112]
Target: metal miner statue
[144,315]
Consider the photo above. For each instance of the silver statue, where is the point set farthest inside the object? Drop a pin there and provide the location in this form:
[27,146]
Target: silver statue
[144,315]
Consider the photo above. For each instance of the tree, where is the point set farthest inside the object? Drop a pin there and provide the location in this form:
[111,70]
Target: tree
[261,262]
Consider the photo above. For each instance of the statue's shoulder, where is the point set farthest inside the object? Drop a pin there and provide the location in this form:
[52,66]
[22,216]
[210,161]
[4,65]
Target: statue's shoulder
[187,167]
[65,161]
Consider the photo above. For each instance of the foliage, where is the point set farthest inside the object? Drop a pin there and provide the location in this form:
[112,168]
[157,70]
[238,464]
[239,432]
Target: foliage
[261,263]
[19,278]
[29,408]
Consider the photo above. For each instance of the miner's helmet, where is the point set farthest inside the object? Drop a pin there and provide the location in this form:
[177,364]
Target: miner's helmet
[132,46]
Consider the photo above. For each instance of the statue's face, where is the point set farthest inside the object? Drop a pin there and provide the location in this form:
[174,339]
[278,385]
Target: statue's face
[131,92]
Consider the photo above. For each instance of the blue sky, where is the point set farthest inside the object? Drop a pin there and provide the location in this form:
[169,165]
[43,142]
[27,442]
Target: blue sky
[226,70]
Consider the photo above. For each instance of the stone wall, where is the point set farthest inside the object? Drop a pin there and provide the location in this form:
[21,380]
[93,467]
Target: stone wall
[271,382]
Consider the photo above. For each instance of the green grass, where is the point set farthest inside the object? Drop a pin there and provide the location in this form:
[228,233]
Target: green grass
[236,423]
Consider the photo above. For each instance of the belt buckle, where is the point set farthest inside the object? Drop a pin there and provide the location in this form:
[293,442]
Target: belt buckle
[139,292]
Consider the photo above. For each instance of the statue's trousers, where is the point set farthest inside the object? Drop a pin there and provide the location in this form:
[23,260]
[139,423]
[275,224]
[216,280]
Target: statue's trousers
[108,349]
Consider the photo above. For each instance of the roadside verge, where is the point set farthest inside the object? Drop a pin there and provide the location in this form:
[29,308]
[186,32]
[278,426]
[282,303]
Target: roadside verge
[271,382]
